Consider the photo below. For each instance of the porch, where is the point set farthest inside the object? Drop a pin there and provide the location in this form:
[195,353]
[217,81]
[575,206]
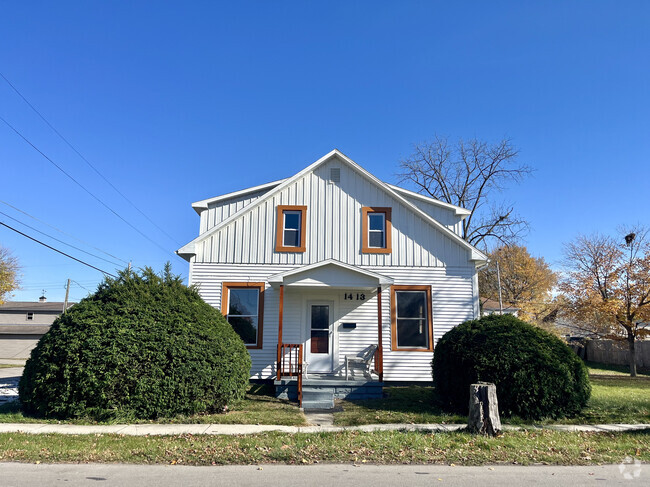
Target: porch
[320,392]
[314,371]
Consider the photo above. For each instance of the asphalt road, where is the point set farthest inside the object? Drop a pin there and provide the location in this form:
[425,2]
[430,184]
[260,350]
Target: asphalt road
[105,475]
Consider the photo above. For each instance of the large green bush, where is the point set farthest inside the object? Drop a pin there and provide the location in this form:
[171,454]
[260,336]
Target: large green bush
[537,376]
[142,346]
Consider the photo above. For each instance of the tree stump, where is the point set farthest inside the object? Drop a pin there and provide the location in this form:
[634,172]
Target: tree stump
[484,409]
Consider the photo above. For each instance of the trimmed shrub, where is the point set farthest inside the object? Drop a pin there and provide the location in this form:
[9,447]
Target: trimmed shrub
[536,374]
[143,346]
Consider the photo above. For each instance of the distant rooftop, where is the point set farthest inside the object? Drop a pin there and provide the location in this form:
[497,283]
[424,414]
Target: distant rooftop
[33,306]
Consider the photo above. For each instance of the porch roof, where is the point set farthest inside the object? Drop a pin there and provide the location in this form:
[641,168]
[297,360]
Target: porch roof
[330,273]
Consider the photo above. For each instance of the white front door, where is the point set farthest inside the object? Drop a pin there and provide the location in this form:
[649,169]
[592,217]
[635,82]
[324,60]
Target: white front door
[320,337]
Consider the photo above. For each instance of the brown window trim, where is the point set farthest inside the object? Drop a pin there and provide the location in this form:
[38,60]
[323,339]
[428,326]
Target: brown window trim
[225,286]
[393,317]
[279,231]
[364,230]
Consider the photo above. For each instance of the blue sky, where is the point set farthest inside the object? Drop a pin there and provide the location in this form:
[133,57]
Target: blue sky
[174,103]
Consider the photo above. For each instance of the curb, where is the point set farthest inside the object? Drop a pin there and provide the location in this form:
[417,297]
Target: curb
[243,429]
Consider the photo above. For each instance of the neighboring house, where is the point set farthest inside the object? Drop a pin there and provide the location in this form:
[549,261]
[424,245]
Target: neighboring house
[23,323]
[491,307]
[330,262]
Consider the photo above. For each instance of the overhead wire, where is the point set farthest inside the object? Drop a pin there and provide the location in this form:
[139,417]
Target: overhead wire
[57,250]
[61,231]
[83,187]
[86,160]
[60,241]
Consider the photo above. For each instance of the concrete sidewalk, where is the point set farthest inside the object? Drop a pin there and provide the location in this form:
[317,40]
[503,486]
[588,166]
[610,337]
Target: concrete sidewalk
[248,429]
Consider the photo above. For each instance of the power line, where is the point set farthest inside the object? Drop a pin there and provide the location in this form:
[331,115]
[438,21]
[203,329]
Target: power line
[87,161]
[61,231]
[83,287]
[57,250]
[60,241]
[83,187]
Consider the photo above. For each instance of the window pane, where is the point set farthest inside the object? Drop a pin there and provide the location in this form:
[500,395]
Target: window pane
[320,341]
[320,317]
[376,221]
[412,333]
[291,238]
[376,239]
[411,304]
[246,328]
[243,302]
[292,220]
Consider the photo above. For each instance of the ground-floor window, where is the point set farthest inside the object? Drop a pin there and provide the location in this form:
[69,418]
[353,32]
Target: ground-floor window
[242,303]
[411,323]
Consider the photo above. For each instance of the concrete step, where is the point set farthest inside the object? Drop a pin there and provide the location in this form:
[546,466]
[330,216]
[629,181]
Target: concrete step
[317,395]
[317,399]
[306,405]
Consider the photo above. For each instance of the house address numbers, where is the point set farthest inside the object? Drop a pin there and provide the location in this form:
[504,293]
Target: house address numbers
[354,296]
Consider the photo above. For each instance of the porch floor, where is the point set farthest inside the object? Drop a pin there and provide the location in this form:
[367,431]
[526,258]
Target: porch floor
[328,385]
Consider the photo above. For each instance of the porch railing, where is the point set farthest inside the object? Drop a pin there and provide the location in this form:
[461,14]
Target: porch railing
[290,364]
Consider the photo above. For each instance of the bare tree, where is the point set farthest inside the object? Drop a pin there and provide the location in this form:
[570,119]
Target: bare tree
[468,174]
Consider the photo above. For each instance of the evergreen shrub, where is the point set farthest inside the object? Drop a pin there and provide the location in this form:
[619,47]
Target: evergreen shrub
[143,346]
[536,374]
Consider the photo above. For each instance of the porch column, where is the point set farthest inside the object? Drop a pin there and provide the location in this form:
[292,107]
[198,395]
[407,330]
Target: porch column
[379,355]
[281,309]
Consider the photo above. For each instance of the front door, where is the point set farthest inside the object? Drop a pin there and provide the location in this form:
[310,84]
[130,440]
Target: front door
[319,352]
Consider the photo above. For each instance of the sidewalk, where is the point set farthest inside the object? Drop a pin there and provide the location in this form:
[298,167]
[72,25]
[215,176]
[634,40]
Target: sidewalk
[249,429]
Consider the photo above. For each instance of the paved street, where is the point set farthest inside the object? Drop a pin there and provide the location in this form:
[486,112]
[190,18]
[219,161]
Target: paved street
[70,475]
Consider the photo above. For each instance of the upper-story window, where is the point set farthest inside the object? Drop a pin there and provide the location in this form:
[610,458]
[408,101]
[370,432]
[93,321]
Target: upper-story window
[290,233]
[30,316]
[376,230]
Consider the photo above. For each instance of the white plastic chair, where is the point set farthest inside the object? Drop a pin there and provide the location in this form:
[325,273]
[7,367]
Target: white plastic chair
[360,361]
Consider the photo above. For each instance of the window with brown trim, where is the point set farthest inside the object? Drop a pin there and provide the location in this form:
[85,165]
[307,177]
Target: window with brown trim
[376,230]
[242,303]
[410,318]
[290,229]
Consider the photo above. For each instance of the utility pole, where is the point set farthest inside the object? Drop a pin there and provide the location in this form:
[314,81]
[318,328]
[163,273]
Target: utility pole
[499,282]
[67,293]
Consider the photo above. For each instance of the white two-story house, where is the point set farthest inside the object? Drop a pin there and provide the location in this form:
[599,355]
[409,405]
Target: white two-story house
[330,262]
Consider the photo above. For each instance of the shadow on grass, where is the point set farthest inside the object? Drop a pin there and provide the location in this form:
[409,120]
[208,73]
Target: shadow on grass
[408,404]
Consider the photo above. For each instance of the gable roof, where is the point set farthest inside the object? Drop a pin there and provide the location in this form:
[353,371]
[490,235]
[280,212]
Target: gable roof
[199,206]
[458,210]
[475,254]
[334,264]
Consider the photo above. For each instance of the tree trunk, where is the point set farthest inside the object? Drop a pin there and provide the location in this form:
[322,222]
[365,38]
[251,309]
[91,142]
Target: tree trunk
[630,342]
[484,409]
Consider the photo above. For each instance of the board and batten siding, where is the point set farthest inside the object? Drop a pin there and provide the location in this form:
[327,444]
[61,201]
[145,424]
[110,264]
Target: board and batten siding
[220,210]
[452,294]
[333,227]
[447,217]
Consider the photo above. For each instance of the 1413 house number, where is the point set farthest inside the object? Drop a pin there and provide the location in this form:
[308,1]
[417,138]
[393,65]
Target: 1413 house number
[354,296]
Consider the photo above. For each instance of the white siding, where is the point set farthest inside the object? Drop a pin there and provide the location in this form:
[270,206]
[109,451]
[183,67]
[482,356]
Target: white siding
[219,211]
[452,293]
[333,227]
[447,217]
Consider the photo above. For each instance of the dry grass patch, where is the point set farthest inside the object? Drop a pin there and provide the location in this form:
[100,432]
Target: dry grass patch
[388,447]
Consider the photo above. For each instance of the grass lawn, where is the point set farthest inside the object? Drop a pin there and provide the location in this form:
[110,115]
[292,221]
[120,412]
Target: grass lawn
[617,370]
[521,447]
[615,398]
[258,407]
